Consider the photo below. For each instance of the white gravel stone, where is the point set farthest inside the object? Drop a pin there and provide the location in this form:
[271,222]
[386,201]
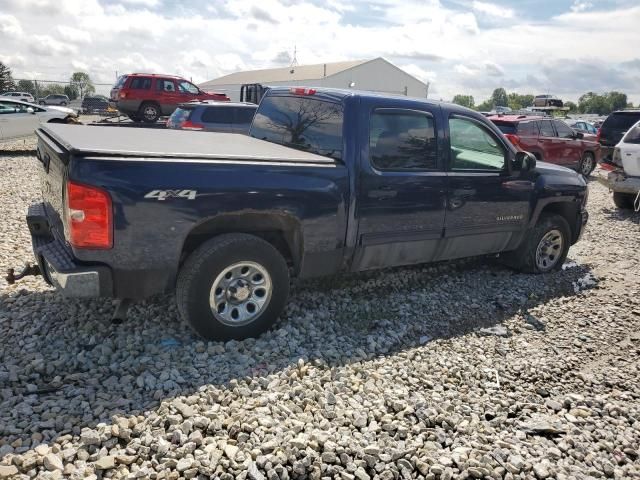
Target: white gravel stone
[346,385]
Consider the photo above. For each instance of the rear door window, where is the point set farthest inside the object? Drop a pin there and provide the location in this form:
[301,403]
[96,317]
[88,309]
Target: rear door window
[528,129]
[564,131]
[402,140]
[140,83]
[546,128]
[633,135]
[218,115]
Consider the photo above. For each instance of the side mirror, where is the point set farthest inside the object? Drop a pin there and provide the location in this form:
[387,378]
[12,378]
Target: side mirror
[526,161]
[30,110]
[579,135]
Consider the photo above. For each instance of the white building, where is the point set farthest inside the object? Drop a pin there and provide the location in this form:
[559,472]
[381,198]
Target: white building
[377,75]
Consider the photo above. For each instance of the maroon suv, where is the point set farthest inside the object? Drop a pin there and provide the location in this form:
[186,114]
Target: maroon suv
[146,96]
[550,140]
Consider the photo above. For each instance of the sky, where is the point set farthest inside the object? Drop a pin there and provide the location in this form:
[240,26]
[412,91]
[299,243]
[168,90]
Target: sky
[562,47]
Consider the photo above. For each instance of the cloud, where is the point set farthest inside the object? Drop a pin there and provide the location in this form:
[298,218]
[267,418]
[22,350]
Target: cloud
[73,35]
[580,6]
[492,10]
[47,46]
[262,15]
[493,69]
[9,26]
[141,3]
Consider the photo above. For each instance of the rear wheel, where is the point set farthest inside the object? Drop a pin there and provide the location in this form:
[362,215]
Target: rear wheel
[149,112]
[623,201]
[587,164]
[232,287]
[63,104]
[545,248]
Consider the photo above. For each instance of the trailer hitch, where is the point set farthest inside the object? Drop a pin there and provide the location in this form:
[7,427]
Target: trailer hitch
[28,269]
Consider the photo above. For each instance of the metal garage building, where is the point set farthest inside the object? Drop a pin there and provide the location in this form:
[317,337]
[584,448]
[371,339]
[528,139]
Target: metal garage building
[378,75]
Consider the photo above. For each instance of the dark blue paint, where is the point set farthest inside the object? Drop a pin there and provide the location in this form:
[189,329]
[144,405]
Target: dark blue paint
[346,216]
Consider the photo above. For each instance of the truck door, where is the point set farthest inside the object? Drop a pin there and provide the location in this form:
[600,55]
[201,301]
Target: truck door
[402,185]
[488,201]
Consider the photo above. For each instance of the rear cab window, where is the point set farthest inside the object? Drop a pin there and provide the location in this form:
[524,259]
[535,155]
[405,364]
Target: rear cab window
[302,122]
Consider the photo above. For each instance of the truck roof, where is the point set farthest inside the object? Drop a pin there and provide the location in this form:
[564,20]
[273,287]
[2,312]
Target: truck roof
[178,144]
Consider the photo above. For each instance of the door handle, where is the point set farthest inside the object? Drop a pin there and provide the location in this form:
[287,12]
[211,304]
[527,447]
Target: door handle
[382,194]
[520,185]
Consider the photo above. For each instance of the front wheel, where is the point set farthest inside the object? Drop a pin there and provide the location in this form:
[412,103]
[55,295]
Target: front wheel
[545,248]
[587,164]
[232,287]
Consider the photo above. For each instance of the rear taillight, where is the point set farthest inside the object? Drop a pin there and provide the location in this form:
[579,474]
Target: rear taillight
[598,135]
[514,139]
[616,158]
[89,216]
[189,125]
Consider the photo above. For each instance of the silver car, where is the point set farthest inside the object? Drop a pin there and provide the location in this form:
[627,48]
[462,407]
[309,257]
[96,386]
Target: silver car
[20,119]
[54,100]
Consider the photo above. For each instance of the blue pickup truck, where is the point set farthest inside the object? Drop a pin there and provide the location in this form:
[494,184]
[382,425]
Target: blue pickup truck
[328,181]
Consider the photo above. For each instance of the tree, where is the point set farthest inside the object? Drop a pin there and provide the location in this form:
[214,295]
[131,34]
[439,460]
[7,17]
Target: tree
[518,102]
[83,83]
[27,86]
[6,80]
[617,100]
[499,97]
[573,108]
[464,100]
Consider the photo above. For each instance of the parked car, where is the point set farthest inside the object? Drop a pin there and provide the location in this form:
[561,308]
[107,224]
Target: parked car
[54,100]
[22,96]
[328,181]
[146,97]
[614,128]
[94,104]
[20,119]
[547,101]
[582,126]
[213,116]
[550,140]
[624,180]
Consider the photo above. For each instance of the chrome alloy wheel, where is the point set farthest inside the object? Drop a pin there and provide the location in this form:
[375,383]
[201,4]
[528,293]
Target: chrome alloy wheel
[549,250]
[240,293]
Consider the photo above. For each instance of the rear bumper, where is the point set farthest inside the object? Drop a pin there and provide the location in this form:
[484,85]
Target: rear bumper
[619,182]
[58,266]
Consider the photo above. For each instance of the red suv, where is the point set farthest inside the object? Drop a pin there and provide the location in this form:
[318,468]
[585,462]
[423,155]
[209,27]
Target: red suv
[147,96]
[550,140]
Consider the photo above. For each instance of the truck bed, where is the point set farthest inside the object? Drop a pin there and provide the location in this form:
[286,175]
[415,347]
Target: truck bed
[145,142]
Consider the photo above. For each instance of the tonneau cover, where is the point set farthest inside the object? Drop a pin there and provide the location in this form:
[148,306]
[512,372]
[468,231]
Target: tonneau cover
[184,144]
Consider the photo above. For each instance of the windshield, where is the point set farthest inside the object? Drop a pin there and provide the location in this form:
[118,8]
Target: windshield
[120,81]
[302,123]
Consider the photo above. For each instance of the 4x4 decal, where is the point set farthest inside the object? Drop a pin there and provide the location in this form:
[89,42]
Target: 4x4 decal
[164,194]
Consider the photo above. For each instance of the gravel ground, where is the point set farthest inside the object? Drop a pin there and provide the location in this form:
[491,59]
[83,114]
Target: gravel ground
[453,371]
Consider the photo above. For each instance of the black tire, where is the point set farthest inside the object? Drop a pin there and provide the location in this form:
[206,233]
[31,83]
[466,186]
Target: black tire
[64,104]
[40,103]
[524,257]
[149,112]
[624,201]
[201,269]
[587,164]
